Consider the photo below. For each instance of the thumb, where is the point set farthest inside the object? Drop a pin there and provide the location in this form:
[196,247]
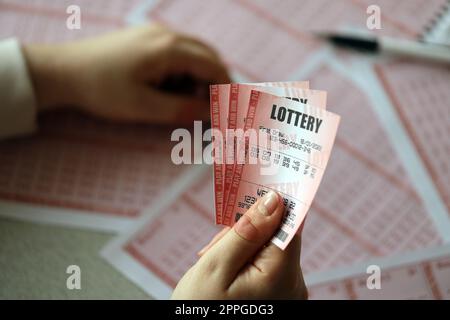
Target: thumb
[253,230]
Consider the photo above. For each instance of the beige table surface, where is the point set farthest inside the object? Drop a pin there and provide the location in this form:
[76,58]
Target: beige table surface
[34,258]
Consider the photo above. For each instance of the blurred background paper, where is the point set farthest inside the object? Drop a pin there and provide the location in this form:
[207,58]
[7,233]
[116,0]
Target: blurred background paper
[385,195]
[84,172]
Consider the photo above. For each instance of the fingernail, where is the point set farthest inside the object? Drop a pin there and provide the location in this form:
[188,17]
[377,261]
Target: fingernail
[268,203]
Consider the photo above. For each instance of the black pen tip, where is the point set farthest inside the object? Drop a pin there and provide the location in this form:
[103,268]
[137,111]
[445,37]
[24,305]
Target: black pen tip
[360,43]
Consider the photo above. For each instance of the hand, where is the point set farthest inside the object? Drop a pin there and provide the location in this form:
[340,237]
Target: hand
[116,76]
[239,263]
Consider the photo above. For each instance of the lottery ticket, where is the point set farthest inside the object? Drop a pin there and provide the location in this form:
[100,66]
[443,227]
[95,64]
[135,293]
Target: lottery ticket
[307,135]
[239,98]
[219,98]
[224,115]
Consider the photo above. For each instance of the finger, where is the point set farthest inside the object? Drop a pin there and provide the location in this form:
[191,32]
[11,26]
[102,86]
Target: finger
[188,57]
[214,240]
[196,42]
[273,260]
[153,106]
[253,230]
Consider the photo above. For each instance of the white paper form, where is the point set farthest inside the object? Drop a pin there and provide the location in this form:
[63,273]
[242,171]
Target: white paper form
[421,97]
[376,210]
[83,172]
[45,21]
[420,275]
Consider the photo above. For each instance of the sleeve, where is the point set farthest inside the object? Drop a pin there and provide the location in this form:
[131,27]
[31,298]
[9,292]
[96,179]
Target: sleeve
[17,99]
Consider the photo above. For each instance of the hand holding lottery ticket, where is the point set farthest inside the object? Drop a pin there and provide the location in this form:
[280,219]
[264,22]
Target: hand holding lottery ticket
[278,136]
[254,198]
[237,263]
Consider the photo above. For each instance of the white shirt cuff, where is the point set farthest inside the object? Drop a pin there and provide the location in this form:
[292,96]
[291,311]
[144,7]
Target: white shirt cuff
[17,100]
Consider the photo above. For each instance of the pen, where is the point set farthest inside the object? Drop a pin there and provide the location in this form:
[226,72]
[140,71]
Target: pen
[391,46]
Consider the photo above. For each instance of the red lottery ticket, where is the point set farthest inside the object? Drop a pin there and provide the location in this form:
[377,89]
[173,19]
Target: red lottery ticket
[219,100]
[224,115]
[240,97]
[300,142]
